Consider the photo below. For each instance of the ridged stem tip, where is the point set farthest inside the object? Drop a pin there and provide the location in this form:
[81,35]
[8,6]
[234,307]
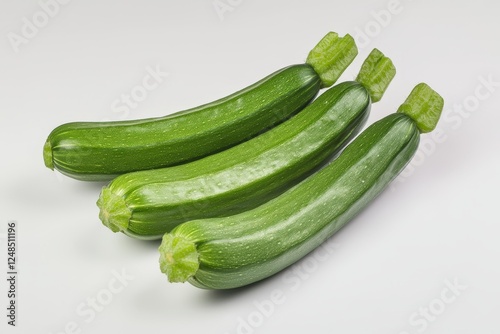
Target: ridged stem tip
[376,74]
[113,211]
[331,56]
[424,105]
[179,258]
[47,155]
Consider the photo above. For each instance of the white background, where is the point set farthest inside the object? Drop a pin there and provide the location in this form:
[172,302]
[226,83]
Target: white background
[439,222]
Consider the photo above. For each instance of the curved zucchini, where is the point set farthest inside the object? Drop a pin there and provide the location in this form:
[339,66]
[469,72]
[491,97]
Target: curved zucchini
[147,204]
[229,252]
[95,151]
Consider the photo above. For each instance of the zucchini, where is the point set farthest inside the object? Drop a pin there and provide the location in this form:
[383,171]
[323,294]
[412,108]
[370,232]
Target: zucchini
[96,151]
[229,252]
[146,204]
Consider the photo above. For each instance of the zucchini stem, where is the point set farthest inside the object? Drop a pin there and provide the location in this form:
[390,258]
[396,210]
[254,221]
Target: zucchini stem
[179,258]
[47,155]
[113,212]
[331,56]
[424,105]
[376,74]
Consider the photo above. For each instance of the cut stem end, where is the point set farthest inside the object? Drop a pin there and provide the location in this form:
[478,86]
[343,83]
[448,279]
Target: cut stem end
[47,155]
[331,56]
[178,258]
[424,105]
[113,212]
[376,74]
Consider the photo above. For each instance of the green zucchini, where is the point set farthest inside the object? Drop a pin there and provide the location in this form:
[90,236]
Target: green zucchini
[96,151]
[146,204]
[229,252]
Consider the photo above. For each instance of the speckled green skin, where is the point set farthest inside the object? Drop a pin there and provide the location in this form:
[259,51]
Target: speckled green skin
[241,177]
[94,151]
[241,249]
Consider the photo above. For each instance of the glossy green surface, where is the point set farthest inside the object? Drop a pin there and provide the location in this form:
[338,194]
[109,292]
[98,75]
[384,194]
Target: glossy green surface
[241,177]
[244,248]
[102,150]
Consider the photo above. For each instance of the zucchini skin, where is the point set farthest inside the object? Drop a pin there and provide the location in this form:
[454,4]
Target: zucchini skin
[99,151]
[245,176]
[241,249]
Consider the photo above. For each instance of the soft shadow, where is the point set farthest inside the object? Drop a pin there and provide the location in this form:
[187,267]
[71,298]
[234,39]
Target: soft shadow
[144,244]
[92,186]
[224,296]
[136,244]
